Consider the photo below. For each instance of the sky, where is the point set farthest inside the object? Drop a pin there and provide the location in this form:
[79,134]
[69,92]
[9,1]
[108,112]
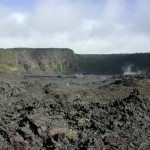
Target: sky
[85,26]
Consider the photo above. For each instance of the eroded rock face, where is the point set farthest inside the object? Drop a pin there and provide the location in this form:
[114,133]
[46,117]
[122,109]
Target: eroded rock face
[53,122]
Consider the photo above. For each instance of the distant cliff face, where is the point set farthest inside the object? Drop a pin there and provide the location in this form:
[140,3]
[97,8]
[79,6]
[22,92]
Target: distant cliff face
[114,64]
[38,60]
[54,60]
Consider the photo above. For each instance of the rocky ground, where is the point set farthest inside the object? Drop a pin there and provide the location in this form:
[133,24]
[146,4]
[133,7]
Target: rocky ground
[75,113]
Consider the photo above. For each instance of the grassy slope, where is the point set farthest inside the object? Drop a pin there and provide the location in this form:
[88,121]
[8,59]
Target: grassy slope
[8,60]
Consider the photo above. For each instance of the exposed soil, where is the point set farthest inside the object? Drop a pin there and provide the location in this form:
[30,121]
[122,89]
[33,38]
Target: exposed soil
[75,113]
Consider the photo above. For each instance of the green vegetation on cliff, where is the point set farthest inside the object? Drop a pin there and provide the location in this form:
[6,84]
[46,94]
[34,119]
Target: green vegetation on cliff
[55,60]
[40,60]
[113,63]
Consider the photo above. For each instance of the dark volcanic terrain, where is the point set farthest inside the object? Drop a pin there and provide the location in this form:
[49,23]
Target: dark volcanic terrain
[75,113]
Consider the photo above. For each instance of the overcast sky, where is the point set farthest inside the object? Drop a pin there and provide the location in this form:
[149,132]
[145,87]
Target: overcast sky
[86,26]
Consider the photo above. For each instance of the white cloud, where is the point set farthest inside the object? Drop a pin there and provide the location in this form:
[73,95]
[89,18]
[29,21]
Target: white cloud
[18,17]
[86,26]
